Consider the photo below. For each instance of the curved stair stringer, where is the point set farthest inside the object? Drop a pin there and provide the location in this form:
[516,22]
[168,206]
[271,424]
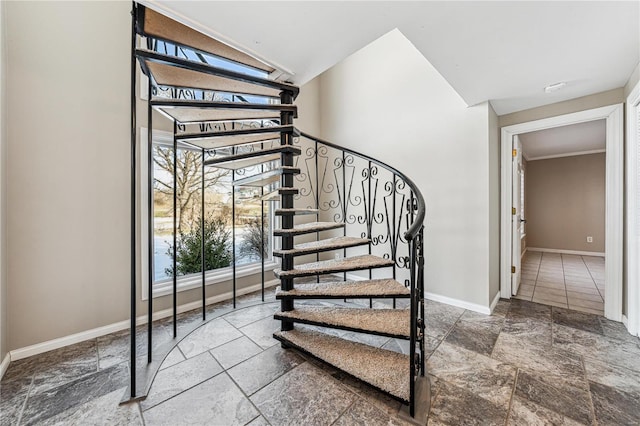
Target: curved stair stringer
[394,374]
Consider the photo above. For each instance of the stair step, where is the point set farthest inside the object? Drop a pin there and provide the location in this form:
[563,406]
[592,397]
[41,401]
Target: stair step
[382,322]
[248,159]
[384,370]
[295,212]
[262,179]
[247,162]
[323,245]
[383,288]
[153,24]
[356,263]
[178,72]
[188,111]
[239,136]
[275,195]
[308,228]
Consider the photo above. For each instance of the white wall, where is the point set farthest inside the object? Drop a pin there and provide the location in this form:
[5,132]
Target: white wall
[387,101]
[494,205]
[633,80]
[3,144]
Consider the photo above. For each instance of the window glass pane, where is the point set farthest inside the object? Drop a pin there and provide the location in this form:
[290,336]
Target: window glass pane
[218,203]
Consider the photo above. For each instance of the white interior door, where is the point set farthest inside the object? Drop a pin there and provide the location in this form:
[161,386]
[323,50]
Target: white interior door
[517,216]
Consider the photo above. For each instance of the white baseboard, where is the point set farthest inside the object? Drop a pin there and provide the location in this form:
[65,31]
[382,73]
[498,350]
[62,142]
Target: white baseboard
[494,302]
[459,303]
[447,300]
[5,364]
[60,342]
[625,321]
[524,252]
[576,252]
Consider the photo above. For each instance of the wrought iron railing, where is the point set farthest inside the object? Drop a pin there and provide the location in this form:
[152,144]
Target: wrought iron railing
[377,202]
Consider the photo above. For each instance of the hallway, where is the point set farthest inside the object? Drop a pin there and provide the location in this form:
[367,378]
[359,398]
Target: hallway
[563,280]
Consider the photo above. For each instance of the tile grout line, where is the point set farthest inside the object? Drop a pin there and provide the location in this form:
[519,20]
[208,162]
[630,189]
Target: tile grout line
[586,379]
[182,391]
[247,396]
[535,283]
[26,399]
[513,393]
[141,414]
[592,279]
[564,281]
[345,410]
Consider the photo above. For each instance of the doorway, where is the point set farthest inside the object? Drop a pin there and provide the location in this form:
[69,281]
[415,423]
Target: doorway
[559,195]
[513,219]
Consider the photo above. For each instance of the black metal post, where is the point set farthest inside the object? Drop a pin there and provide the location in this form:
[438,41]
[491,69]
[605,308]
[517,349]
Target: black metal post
[370,222]
[345,200]
[233,231]
[203,246]
[175,232]
[262,229]
[394,245]
[149,224]
[421,295]
[317,202]
[132,366]
[286,118]
[412,344]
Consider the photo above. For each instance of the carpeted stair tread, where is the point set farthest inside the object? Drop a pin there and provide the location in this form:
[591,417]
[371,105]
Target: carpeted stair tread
[263,132]
[295,212]
[195,115]
[355,263]
[266,178]
[382,288]
[168,75]
[247,162]
[168,70]
[247,159]
[335,243]
[308,228]
[191,111]
[156,25]
[385,370]
[383,322]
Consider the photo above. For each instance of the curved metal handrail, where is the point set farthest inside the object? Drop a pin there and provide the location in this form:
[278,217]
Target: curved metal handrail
[416,226]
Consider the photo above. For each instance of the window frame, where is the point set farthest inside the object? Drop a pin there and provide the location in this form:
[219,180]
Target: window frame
[164,287]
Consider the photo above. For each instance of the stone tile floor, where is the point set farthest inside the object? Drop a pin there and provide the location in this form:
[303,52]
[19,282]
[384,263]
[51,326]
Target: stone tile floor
[526,364]
[566,281]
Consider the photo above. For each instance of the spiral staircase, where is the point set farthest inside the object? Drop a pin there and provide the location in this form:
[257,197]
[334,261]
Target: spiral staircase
[305,326]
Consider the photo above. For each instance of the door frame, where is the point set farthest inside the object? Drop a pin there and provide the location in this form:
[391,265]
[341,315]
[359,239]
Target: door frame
[633,209]
[614,213]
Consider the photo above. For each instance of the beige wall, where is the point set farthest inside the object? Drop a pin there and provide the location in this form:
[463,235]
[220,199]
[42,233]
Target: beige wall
[308,102]
[494,205]
[565,202]
[596,100]
[387,101]
[68,155]
[523,240]
[3,144]
[68,168]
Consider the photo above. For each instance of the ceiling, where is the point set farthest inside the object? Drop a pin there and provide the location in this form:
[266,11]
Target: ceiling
[505,52]
[575,139]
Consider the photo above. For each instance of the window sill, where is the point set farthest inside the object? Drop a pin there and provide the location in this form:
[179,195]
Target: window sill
[190,282]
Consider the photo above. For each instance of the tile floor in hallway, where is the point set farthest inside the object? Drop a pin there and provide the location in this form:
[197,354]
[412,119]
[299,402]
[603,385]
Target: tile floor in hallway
[526,364]
[563,280]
